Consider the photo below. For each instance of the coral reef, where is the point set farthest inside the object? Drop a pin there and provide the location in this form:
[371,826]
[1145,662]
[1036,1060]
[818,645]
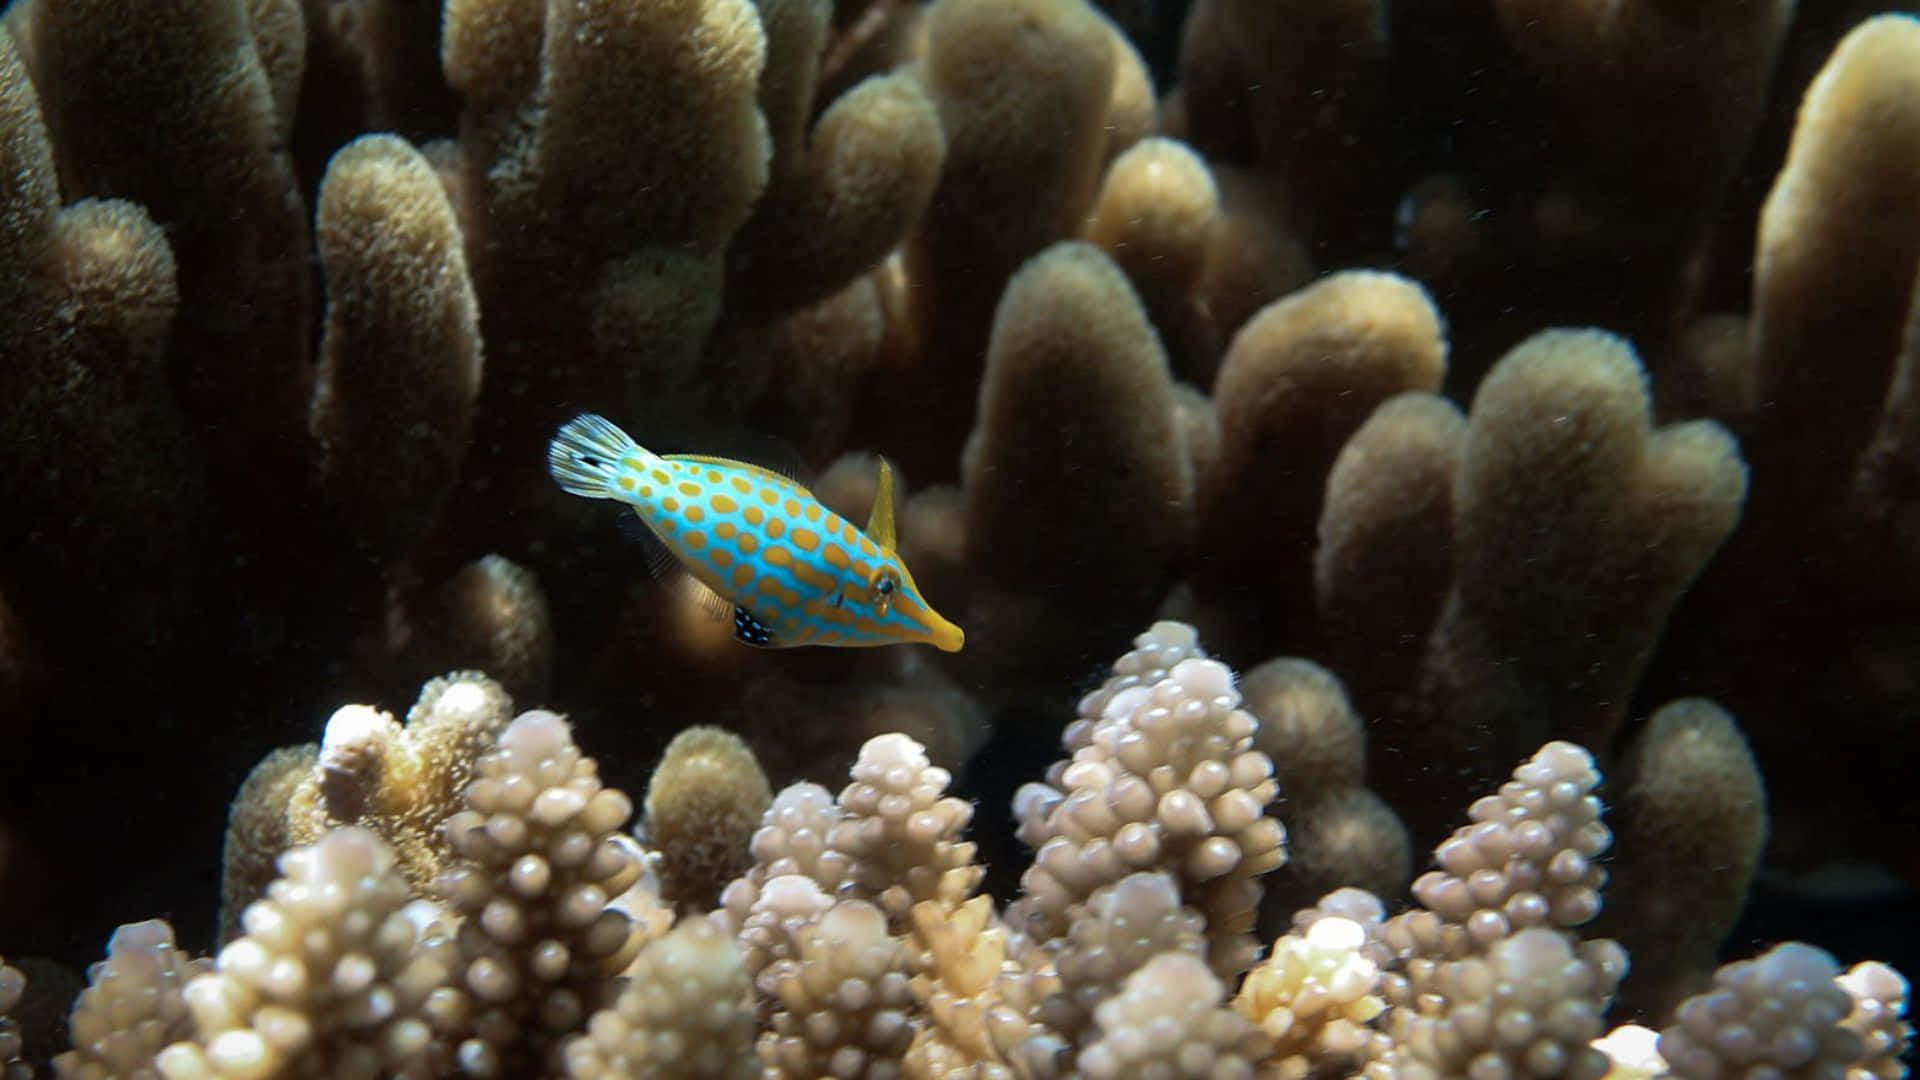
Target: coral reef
[1490,382]
[855,942]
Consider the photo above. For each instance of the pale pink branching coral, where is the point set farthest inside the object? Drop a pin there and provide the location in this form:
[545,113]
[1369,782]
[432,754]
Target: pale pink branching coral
[536,860]
[1879,1017]
[332,977]
[973,996]
[855,945]
[1528,859]
[1530,1005]
[1154,653]
[792,841]
[133,1005]
[1315,997]
[1111,936]
[1169,780]
[841,1001]
[901,833]
[1167,1022]
[682,1014]
[1486,982]
[1778,1015]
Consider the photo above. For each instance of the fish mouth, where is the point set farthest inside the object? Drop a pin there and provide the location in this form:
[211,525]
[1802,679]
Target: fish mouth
[945,636]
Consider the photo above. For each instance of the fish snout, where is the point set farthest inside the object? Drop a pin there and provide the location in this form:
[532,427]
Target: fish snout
[945,636]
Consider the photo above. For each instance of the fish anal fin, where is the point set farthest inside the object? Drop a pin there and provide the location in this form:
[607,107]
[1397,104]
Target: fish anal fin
[751,631]
[880,523]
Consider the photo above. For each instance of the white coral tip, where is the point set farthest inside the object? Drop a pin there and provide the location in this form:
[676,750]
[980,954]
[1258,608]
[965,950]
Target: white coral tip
[1633,1050]
[1336,934]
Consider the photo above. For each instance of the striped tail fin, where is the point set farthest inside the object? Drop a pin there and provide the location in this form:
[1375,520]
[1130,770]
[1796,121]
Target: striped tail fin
[585,456]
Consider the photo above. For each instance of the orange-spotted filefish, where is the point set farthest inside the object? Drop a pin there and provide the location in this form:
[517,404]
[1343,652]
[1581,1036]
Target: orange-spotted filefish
[795,572]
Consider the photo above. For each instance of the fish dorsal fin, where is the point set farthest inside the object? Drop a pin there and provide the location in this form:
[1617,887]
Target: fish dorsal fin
[781,476]
[880,524]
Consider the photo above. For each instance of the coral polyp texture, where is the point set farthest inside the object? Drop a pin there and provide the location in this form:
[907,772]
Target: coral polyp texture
[855,941]
[1499,416]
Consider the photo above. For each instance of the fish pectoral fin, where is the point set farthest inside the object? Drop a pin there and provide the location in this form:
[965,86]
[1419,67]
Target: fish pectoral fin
[880,523]
[712,604]
[662,564]
[751,631]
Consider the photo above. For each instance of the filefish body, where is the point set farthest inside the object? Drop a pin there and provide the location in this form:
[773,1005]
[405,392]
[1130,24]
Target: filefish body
[795,572]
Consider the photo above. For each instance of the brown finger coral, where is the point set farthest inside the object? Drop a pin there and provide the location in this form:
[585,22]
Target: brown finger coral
[705,800]
[197,140]
[843,189]
[1075,443]
[1566,501]
[1298,379]
[400,358]
[404,783]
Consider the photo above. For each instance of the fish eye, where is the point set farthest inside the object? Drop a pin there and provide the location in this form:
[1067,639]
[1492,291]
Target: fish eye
[882,589]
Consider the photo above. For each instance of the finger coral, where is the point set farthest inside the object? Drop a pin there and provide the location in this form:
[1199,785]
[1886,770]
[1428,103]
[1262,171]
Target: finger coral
[703,804]
[400,359]
[404,783]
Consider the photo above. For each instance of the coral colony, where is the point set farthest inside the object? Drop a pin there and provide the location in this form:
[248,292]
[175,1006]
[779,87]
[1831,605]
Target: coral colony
[1493,424]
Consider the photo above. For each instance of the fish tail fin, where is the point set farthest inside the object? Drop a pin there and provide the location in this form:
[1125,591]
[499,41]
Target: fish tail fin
[587,455]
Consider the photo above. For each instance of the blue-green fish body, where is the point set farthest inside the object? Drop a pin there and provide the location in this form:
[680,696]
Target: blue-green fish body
[795,572]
